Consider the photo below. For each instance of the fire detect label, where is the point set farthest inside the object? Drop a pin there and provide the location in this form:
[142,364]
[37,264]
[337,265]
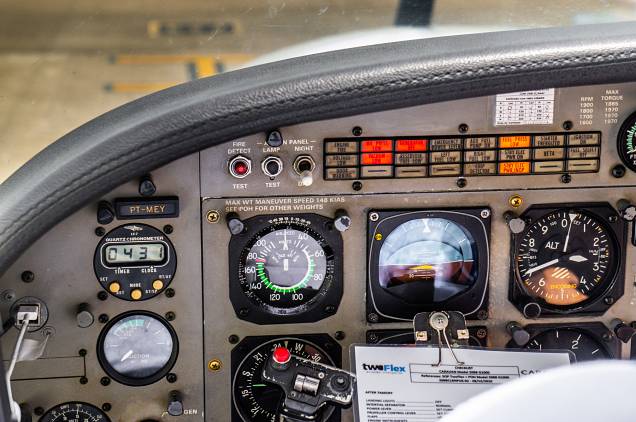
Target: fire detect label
[525,108]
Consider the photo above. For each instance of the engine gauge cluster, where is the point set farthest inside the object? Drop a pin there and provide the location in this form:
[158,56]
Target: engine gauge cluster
[256,401]
[286,269]
[137,348]
[568,260]
[587,341]
[74,411]
[427,260]
[135,262]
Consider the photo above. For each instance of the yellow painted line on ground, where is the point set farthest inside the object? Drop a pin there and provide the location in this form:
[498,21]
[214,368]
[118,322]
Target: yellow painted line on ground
[201,66]
[139,87]
[179,58]
[205,66]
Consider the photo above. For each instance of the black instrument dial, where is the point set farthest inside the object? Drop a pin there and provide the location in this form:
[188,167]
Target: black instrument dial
[135,262]
[583,345]
[137,348]
[566,259]
[256,401]
[626,144]
[74,412]
[285,267]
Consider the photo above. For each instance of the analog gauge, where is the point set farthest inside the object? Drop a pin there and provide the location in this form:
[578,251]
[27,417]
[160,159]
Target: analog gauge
[583,345]
[137,348]
[74,412]
[566,259]
[256,401]
[428,260]
[285,268]
[626,144]
[422,261]
[135,262]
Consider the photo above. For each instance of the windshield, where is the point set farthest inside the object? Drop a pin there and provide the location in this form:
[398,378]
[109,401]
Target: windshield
[65,62]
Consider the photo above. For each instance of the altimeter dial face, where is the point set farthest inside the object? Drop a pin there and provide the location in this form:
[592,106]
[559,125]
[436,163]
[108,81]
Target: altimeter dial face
[566,258]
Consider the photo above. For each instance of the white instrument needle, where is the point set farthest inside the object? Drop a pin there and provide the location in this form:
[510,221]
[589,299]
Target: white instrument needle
[127,355]
[542,266]
[567,238]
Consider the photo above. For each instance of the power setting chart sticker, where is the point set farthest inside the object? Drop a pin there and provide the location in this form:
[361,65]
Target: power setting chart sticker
[525,108]
[396,383]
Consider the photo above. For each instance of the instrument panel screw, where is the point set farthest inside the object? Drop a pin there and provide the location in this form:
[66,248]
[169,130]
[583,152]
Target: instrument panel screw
[213,216]
[568,125]
[233,339]
[169,292]
[482,333]
[482,314]
[83,380]
[104,381]
[618,171]
[27,276]
[8,295]
[38,411]
[168,229]
[485,213]
[356,186]
[171,378]
[461,183]
[607,336]
[102,295]
[374,216]
[243,312]
[566,178]
[356,131]
[100,231]
[214,365]
[171,316]
[373,317]
[463,128]
[612,219]
[82,352]
[48,331]
[372,338]
[106,407]
[515,201]
[103,318]
[609,300]
[340,335]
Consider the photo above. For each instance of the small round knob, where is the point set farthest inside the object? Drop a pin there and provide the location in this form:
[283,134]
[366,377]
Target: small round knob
[281,355]
[84,316]
[519,335]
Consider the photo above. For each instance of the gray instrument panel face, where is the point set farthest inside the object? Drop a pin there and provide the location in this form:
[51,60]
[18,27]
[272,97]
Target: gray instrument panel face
[63,259]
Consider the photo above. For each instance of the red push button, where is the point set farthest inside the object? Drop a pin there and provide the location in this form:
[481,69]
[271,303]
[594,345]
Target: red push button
[281,355]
